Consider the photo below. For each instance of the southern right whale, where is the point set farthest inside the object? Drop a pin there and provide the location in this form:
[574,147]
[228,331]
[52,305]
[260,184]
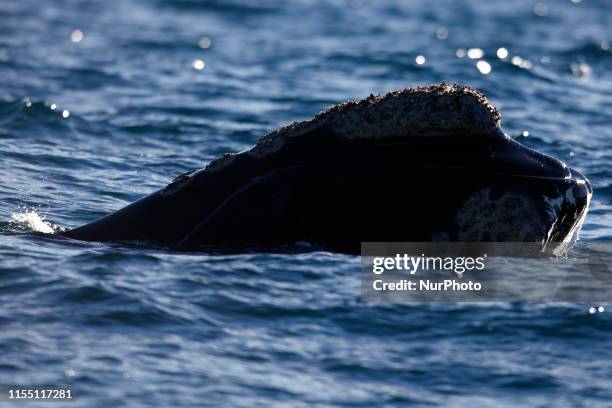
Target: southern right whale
[420,164]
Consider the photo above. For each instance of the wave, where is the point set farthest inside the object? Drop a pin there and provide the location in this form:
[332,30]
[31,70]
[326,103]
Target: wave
[9,110]
[31,112]
[233,7]
[30,221]
[601,49]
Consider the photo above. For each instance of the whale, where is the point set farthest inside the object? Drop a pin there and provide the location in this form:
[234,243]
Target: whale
[420,164]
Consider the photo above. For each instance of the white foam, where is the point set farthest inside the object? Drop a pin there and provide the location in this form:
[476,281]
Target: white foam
[32,221]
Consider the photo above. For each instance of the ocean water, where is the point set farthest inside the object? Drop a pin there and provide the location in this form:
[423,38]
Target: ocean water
[102,102]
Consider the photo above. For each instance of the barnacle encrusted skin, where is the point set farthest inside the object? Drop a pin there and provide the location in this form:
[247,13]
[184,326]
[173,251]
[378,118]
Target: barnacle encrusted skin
[412,112]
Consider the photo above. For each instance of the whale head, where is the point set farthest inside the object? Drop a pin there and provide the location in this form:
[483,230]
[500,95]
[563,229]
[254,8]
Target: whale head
[420,164]
[449,136]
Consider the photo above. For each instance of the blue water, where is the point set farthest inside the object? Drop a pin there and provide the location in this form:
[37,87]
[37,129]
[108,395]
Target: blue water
[101,102]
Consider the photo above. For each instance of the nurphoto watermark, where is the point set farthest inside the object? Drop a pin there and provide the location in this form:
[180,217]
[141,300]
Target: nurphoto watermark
[485,272]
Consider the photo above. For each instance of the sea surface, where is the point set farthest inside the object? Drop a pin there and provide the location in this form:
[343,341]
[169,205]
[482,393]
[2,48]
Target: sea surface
[102,102]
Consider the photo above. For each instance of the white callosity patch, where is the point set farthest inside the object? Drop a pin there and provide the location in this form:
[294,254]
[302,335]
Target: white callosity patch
[409,113]
[553,205]
[510,217]
[32,221]
[574,233]
[553,211]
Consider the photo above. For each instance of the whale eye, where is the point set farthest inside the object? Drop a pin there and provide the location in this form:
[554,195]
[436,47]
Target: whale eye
[177,184]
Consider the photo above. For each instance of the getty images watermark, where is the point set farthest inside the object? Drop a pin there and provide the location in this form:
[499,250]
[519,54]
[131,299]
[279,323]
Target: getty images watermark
[472,272]
[412,264]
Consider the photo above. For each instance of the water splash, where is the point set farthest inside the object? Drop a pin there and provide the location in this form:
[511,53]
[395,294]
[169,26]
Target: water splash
[31,221]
